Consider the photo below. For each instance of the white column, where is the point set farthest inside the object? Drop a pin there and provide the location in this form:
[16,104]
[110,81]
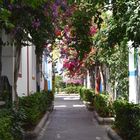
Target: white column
[132,74]
[88,80]
[138,78]
[85,81]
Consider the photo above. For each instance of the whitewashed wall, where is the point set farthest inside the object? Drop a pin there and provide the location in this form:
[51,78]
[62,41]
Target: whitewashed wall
[26,84]
[49,74]
[8,59]
[48,71]
[7,63]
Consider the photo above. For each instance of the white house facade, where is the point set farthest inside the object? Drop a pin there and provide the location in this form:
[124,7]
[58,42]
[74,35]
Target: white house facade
[30,76]
[26,83]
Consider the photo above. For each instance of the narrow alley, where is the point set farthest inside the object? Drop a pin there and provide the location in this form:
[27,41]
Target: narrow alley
[70,120]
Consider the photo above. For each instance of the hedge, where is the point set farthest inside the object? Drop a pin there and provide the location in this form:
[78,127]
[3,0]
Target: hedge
[10,124]
[103,105]
[34,107]
[127,119]
[72,89]
[87,94]
[31,109]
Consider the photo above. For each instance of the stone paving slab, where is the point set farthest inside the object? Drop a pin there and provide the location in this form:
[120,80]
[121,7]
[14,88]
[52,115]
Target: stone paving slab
[71,120]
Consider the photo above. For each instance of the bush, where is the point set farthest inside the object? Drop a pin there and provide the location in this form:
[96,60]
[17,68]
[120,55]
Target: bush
[87,94]
[127,119]
[103,105]
[81,93]
[10,124]
[31,108]
[34,107]
[59,84]
[72,89]
[5,125]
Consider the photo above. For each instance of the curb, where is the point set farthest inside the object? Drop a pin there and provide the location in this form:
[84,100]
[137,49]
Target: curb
[112,134]
[102,120]
[30,135]
[88,106]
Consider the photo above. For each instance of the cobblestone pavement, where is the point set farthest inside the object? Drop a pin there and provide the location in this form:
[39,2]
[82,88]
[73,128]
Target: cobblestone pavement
[70,120]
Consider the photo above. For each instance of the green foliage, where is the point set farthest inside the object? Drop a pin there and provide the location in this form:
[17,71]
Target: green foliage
[5,125]
[116,59]
[87,95]
[103,105]
[35,106]
[126,16]
[4,19]
[118,64]
[72,89]
[34,3]
[10,124]
[59,82]
[127,119]
[81,21]
[21,18]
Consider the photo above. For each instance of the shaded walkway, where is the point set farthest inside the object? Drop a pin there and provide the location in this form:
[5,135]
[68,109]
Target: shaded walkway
[70,120]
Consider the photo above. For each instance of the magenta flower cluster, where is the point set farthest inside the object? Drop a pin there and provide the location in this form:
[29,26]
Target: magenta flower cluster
[36,23]
[74,81]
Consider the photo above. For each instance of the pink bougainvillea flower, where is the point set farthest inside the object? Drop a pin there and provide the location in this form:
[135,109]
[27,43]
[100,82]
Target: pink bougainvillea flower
[93,30]
[58,32]
[36,23]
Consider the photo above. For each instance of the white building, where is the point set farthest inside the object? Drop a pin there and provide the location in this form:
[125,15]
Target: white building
[27,77]
[30,76]
[48,71]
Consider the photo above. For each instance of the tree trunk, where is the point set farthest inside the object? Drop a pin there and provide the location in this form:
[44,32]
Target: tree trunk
[0,60]
[97,80]
[38,75]
[103,79]
[0,56]
[92,77]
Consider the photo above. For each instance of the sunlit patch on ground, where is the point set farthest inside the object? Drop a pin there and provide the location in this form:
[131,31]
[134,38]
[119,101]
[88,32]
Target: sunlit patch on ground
[60,106]
[78,105]
[71,98]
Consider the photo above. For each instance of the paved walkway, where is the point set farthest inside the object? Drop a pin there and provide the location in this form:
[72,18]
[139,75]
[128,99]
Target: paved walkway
[70,120]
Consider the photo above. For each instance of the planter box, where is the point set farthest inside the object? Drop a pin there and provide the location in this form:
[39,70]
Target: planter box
[102,120]
[112,134]
[89,107]
[31,135]
[2,104]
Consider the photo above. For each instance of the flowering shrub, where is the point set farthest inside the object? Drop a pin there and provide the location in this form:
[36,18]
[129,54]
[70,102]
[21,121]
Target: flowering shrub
[93,30]
[74,82]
